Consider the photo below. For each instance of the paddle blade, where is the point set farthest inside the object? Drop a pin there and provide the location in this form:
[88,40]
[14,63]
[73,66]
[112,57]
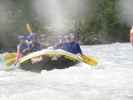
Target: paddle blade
[89,60]
[29,28]
[9,55]
[9,58]
[10,61]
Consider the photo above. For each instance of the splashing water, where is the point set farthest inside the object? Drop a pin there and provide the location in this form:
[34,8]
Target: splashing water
[113,76]
[58,14]
[49,11]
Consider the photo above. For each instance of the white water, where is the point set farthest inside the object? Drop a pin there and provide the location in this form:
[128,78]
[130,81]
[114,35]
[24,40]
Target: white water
[112,79]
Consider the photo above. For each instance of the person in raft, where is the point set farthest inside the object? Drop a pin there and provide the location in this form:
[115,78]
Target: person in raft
[131,36]
[71,45]
[34,45]
[60,43]
[33,42]
[22,47]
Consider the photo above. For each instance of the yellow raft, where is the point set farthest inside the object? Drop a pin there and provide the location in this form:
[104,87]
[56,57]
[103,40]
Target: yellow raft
[50,58]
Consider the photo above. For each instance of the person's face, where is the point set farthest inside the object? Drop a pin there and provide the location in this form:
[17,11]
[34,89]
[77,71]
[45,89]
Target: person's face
[68,39]
[72,39]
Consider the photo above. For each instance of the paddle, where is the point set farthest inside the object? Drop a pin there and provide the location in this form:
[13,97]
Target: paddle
[9,58]
[88,60]
[29,28]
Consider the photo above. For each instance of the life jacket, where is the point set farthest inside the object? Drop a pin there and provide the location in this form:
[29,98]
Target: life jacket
[35,46]
[72,47]
[20,51]
[22,48]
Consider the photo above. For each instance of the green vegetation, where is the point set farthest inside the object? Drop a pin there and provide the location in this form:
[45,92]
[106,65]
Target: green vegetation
[105,26]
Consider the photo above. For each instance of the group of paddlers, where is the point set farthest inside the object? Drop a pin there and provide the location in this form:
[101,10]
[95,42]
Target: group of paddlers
[30,43]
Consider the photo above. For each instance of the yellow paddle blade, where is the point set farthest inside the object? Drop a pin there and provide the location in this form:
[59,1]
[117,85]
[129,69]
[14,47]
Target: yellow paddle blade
[29,28]
[10,61]
[9,58]
[9,55]
[89,60]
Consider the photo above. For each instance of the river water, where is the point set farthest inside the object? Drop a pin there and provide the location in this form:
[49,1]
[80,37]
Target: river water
[111,79]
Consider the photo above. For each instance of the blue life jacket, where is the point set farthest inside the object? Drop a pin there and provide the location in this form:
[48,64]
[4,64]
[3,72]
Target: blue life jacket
[72,47]
[35,46]
[22,48]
